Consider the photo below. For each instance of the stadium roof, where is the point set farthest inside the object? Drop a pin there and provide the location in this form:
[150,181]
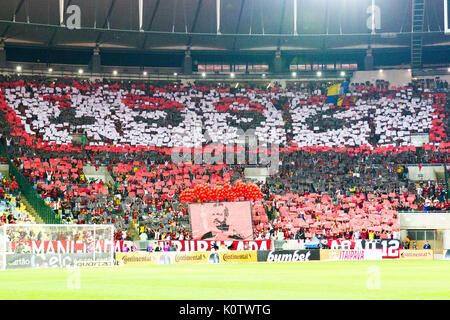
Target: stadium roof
[245,25]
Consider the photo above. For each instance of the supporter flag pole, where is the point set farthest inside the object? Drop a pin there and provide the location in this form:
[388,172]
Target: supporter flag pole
[446,181]
[4,246]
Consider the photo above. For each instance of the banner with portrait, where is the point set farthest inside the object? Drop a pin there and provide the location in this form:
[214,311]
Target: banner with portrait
[221,221]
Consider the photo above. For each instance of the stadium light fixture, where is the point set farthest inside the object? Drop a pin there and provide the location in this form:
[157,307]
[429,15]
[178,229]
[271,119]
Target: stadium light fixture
[50,70]
[232,74]
[263,75]
[342,73]
[115,72]
[409,70]
[448,69]
[19,68]
[203,74]
[80,71]
[381,70]
[319,73]
[294,74]
[175,74]
[144,73]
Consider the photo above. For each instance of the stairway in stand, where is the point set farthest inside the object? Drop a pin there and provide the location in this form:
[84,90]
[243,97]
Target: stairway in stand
[31,210]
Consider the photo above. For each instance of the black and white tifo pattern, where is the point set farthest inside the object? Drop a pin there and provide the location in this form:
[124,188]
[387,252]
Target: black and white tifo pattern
[102,113]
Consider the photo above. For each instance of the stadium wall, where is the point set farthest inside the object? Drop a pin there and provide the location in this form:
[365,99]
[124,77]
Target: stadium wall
[395,77]
[425,172]
[98,173]
[446,240]
[437,222]
[259,174]
[430,221]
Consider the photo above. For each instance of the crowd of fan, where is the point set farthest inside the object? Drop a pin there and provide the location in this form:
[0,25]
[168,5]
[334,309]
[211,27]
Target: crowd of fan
[12,209]
[158,212]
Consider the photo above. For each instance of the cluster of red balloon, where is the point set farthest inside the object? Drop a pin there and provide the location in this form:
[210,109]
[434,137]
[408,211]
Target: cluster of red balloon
[207,193]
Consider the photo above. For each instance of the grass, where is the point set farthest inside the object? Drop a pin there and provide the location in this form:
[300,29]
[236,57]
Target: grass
[245,281]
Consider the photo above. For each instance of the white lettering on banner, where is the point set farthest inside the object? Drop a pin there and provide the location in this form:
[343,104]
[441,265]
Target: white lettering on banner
[282,257]
[371,245]
[207,245]
[388,248]
[59,261]
[63,246]
[60,247]
[178,245]
[346,244]
[36,249]
[50,245]
[384,244]
[335,245]
[20,262]
[52,262]
[391,249]
[117,247]
[254,246]
[202,246]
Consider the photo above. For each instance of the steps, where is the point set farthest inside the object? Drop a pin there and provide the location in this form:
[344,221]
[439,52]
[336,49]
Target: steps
[31,210]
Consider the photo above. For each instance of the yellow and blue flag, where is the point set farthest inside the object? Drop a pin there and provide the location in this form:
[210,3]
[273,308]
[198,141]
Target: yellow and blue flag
[335,93]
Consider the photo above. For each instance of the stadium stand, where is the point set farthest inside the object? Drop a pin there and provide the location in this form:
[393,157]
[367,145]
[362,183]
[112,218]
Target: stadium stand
[169,117]
[342,168]
[12,210]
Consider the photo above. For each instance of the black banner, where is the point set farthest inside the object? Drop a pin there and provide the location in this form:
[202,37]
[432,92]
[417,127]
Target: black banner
[288,255]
